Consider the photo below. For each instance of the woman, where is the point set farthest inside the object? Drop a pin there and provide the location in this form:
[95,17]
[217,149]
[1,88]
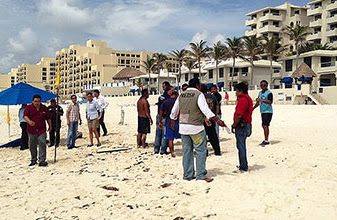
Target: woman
[92,110]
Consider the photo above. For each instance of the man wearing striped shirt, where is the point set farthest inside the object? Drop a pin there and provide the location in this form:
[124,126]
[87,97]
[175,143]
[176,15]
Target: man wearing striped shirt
[73,116]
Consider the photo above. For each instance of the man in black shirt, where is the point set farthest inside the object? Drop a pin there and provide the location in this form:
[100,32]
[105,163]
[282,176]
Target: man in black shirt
[56,112]
[214,91]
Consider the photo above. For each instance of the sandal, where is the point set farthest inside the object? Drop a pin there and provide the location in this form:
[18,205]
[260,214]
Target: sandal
[90,145]
[98,145]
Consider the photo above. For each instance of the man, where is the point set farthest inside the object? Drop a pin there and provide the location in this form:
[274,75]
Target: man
[170,133]
[23,125]
[99,98]
[36,114]
[160,144]
[192,108]
[184,87]
[265,101]
[94,113]
[242,125]
[144,118]
[210,128]
[73,116]
[56,112]
[214,91]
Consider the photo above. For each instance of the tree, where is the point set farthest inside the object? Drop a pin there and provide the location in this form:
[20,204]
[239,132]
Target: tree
[179,55]
[307,47]
[159,59]
[149,65]
[190,64]
[299,35]
[272,48]
[235,50]
[252,50]
[199,51]
[218,52]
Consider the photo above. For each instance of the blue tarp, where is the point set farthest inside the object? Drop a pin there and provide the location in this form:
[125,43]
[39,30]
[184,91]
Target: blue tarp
[209,85]
[306,79]
[132,90]
[221,84]
[23,93]
[286,80]
[14,143]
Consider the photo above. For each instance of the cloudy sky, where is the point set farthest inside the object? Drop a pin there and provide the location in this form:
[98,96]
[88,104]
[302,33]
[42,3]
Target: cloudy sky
[30,29]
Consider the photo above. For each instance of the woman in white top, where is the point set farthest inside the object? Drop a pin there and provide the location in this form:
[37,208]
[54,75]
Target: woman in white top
[92,110]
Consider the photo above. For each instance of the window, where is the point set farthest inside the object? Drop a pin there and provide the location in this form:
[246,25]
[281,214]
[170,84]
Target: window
[44,78]
[244,71]
[210,74]
[289,65]
[317,30]
[44,69]
[333,1]
[333,13]
[127,61]
[122,61]
[318,17]
[236,71]
[221,72]
[308,61]
[276,23]
[196,75]
[317,41]
[265,24]
[326,62]
[297,12]
[186,77]
[254,16]
[333,39]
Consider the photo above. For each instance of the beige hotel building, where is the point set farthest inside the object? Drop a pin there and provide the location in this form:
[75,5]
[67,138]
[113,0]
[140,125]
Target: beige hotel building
[81,68]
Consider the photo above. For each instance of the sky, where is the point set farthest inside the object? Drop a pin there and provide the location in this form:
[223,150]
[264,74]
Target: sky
[31,29]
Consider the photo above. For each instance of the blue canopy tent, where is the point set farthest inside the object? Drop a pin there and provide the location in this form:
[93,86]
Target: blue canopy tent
[209,85]
[22,93]
[221,84]
[286,80]
[305,79]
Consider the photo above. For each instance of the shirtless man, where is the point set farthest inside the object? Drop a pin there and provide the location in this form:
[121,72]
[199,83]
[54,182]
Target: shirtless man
[144,118]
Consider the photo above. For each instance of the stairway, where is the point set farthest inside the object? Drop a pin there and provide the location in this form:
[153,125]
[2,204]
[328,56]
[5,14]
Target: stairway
[318,99]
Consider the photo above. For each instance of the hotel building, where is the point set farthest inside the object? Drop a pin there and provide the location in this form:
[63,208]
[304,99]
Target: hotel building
[323,21]
[269,21]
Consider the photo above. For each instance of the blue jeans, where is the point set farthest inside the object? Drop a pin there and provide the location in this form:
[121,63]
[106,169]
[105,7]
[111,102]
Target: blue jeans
[72,133]
[197,142]
[159,140]
[241,135]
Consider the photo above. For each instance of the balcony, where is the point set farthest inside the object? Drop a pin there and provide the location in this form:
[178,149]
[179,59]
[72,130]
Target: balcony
[331,6]
[273,17]
[332,19]
[251,22]
[250,32]
[317,23]
[270,28]
[330,33]
[314,11]
[315,36]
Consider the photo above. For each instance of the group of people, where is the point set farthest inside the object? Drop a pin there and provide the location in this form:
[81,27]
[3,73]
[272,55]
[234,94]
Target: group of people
[195,114]
[33,120]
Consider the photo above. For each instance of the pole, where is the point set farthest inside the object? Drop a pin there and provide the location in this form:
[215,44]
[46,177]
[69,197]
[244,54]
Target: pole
[8,122]
[57,121]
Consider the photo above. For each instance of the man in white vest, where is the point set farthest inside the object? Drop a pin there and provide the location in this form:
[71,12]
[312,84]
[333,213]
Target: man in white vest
[193,110]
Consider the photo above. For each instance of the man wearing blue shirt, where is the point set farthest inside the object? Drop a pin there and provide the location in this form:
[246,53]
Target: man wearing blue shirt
[265,101]
[23,125]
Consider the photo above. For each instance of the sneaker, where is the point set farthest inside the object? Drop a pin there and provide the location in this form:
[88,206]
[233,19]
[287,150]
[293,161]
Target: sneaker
[70,147]
[50,145]
[105,134]
[264,143]
[33,163]
[43,164]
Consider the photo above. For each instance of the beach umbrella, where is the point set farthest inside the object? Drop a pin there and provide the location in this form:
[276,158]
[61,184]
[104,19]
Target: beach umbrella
[22,93]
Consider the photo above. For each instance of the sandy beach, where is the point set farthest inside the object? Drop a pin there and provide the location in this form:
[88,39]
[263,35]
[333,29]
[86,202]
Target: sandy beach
[293,178]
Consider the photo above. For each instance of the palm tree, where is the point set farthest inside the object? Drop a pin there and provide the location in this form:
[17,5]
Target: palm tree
[179,55]
[198,51]
[298,34]
[190,64]
[149,65]
[168,66]
[252,50]
[273,48]
[235,50]
[218,52]
[307,47]
[159,59]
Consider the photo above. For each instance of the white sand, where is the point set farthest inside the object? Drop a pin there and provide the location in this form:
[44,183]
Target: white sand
[294,178]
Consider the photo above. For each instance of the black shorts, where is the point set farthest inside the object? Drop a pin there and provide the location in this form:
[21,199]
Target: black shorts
[143,125]
[266,118]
